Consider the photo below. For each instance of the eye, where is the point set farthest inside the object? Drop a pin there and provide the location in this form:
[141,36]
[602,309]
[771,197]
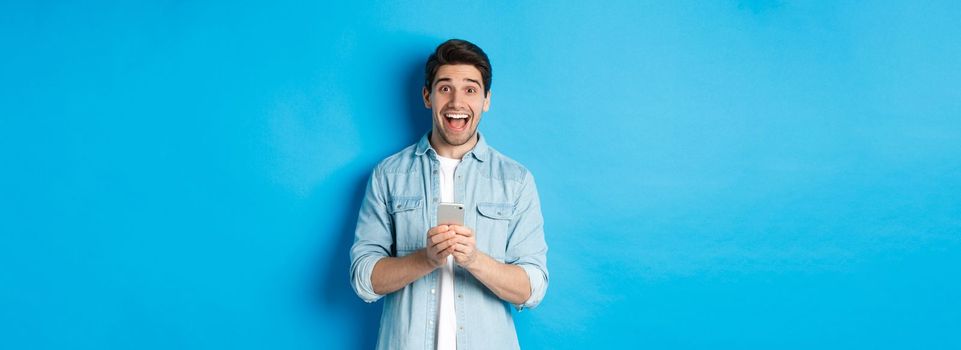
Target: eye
[444,88]
[471,90]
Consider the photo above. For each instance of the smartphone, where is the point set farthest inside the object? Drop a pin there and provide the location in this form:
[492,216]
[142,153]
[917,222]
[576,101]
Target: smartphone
[450,214]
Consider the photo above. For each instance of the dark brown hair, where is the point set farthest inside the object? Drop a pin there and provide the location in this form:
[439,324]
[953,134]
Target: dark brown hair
[456,51]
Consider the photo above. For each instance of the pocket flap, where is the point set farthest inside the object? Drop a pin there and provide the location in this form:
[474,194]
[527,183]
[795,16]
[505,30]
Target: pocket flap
[502,211]
[399,204]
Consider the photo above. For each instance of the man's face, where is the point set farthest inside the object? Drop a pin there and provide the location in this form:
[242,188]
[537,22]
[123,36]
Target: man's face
[457,102]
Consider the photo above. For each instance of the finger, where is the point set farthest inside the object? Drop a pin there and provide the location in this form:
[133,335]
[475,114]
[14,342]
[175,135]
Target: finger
[436,239]
[443,245]
[463,248]
[444,236]
[442,254]
[466,240]
[438,229]
[446,245]
[458,239]
[462,230]
[433,240]
[439,255]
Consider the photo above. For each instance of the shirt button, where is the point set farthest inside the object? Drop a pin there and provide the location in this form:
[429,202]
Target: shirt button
[435,171]
[432,291]
[461,327]
[460,296]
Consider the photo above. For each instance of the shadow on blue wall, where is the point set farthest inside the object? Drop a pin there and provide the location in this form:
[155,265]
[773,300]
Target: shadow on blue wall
[335,293]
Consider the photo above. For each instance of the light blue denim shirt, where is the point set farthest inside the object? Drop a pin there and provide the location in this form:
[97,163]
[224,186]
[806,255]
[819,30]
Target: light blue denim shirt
[503,209]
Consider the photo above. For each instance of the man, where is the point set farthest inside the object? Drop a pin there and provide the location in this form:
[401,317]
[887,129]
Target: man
[448,286]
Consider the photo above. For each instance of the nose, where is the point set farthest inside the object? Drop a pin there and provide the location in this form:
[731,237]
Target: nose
[455,99]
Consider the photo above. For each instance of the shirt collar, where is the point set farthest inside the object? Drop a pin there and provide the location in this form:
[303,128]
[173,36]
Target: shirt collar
[480,151]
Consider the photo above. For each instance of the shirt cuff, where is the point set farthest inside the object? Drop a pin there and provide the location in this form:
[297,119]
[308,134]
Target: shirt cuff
[362,283]
[538,283]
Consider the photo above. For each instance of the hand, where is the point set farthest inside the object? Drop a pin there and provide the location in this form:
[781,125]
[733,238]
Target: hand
[465,247]
[440,244]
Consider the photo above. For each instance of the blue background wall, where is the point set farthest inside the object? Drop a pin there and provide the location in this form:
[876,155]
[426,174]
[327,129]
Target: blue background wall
[723,174]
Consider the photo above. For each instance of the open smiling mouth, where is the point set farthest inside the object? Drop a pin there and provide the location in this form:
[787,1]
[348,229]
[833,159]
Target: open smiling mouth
[457,121]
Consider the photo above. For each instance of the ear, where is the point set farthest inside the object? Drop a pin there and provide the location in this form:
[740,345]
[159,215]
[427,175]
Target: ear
[426,94]
[487,101]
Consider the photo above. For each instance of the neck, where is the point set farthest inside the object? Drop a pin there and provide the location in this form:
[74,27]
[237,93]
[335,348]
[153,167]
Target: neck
[446,150]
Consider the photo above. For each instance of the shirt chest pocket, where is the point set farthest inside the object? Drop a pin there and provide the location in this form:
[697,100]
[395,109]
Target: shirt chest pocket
[407,219]
[493,223]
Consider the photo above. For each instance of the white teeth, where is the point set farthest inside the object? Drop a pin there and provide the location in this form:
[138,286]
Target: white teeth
[456,116]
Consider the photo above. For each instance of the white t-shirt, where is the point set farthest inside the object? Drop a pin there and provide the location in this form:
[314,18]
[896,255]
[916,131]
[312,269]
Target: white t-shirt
[446,318]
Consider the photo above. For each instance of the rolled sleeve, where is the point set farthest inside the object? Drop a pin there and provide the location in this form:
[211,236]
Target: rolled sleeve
[526,246]
[538,280]
[372,239]
[360,277]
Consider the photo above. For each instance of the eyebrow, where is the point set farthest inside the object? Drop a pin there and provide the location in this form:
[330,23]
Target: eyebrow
[467,79]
